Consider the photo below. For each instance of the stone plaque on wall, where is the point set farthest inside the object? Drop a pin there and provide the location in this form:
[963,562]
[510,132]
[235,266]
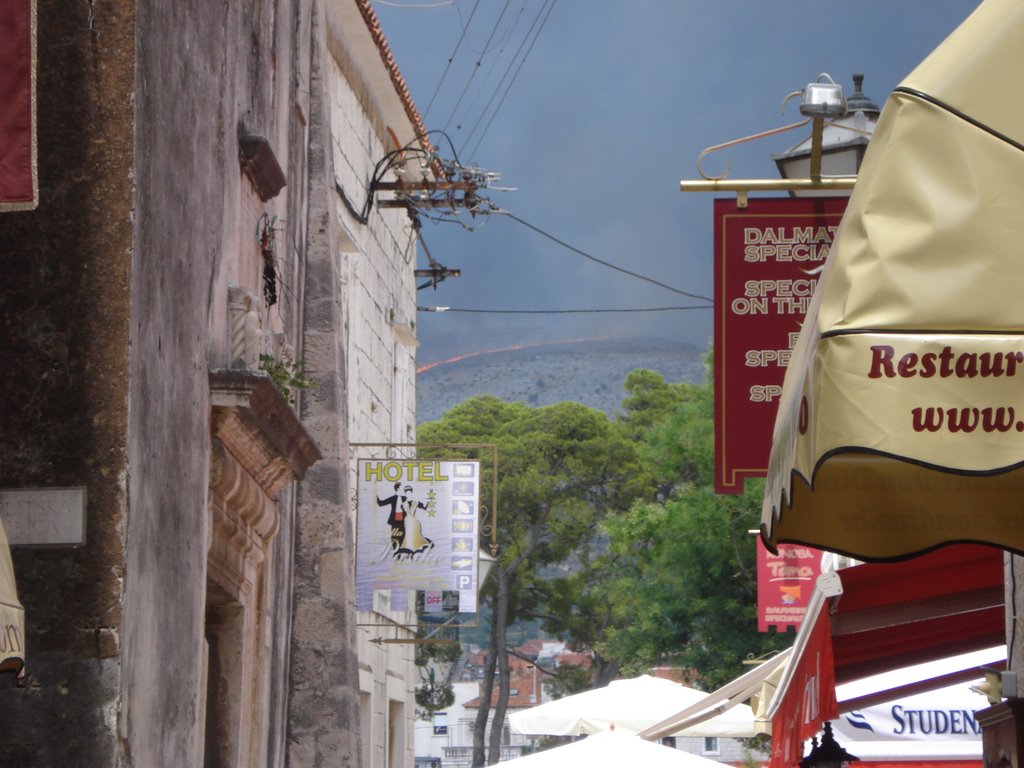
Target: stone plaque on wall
[43,517]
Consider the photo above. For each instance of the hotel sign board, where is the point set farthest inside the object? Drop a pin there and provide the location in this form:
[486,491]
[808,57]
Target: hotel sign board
[767,259]
[417,529]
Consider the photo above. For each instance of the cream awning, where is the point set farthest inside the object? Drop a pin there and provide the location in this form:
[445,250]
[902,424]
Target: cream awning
[757,685]
[901,424]
[12,615]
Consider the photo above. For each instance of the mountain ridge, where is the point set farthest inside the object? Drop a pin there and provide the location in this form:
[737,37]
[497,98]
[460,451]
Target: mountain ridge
[587,371]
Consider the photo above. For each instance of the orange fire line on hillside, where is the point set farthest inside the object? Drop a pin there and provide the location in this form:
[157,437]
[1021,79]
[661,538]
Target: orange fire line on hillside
[513,348]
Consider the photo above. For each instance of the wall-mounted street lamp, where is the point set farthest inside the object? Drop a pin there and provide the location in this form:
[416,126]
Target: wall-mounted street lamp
[841,141]
[827,754]
[826,163]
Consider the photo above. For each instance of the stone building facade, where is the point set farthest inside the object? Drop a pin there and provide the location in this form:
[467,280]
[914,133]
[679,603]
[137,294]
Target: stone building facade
[190,156]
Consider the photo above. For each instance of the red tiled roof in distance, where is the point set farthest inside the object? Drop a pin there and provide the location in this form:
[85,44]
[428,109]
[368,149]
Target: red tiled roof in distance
[526,680]
[575,659]
[531,647]
[675,674]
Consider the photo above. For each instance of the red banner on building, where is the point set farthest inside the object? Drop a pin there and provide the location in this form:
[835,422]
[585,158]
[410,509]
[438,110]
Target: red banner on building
[809,699]
[785,583]
[767,256]
[18,186]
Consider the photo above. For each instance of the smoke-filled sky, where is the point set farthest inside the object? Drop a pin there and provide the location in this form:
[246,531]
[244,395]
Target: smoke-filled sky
[594,110]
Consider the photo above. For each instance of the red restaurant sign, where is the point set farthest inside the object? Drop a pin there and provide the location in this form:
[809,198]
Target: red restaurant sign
[18,187]
[767,257]
[785,583]
[810,697]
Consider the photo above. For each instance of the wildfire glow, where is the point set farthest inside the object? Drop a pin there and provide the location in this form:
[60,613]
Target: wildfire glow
[426,367]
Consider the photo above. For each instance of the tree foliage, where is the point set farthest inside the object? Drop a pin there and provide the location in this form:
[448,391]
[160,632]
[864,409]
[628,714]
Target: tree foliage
[562,469]
[611,534]
[435,661]
[567,680]
[686,592]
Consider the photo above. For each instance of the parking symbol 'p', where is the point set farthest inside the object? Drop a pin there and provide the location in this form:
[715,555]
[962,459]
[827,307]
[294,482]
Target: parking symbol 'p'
[463,581]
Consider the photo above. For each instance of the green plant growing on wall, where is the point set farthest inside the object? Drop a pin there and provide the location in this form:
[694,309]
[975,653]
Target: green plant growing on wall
[287,375]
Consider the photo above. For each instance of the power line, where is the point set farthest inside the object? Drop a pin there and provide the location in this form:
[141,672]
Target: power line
[497,61]
[438,4]
[602,262]
[522,61]
[465,28]
[476,67]
[600,310]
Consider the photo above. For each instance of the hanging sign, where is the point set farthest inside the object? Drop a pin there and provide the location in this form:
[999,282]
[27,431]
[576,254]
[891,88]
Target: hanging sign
[941,715]
[785,583]
[19,189]
[417,528]
[767,259]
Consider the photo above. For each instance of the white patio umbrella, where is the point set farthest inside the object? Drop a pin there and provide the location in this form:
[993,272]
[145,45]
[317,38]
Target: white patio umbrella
[630,706]
[612,749]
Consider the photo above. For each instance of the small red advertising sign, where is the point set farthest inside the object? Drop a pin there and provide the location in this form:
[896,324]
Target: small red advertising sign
[18,189]
[809,699]
[767,257]
[785,583]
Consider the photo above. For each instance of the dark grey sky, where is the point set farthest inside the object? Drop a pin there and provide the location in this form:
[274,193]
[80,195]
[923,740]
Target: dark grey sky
[608,111]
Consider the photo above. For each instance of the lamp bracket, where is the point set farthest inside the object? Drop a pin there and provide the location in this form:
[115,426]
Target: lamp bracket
[736,142]
[721,183]
[820,100]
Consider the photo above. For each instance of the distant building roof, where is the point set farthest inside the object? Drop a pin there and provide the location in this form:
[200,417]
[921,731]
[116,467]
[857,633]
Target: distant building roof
[525,686]
[675,674]
[575,659]
[531,647]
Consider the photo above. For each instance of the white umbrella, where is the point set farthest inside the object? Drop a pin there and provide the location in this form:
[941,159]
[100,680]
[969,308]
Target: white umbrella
[631,706]
[612,749]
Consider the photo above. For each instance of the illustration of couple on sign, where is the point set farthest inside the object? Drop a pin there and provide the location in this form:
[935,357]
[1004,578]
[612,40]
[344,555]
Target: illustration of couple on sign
[407,539]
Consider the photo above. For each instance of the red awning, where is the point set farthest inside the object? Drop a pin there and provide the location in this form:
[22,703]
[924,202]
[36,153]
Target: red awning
[811,691]
[886,616]
[893,615]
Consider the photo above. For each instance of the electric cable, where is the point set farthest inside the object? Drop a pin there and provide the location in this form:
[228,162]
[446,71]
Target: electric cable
[476,67]
[437,4]
[600,310]
[602,262]
[385,164]
[497,61]
[451,58]
[550,5]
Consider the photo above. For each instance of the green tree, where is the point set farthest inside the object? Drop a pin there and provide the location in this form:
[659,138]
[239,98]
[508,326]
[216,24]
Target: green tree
[649,400]
[567,680]
[435,661]
[562,468]
[686,590]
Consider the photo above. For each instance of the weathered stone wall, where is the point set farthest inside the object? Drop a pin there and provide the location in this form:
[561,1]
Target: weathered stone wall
[359,283]
[64,342]
[114,311]
[380,293]
[205,73]
[323,709]
[183,141]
